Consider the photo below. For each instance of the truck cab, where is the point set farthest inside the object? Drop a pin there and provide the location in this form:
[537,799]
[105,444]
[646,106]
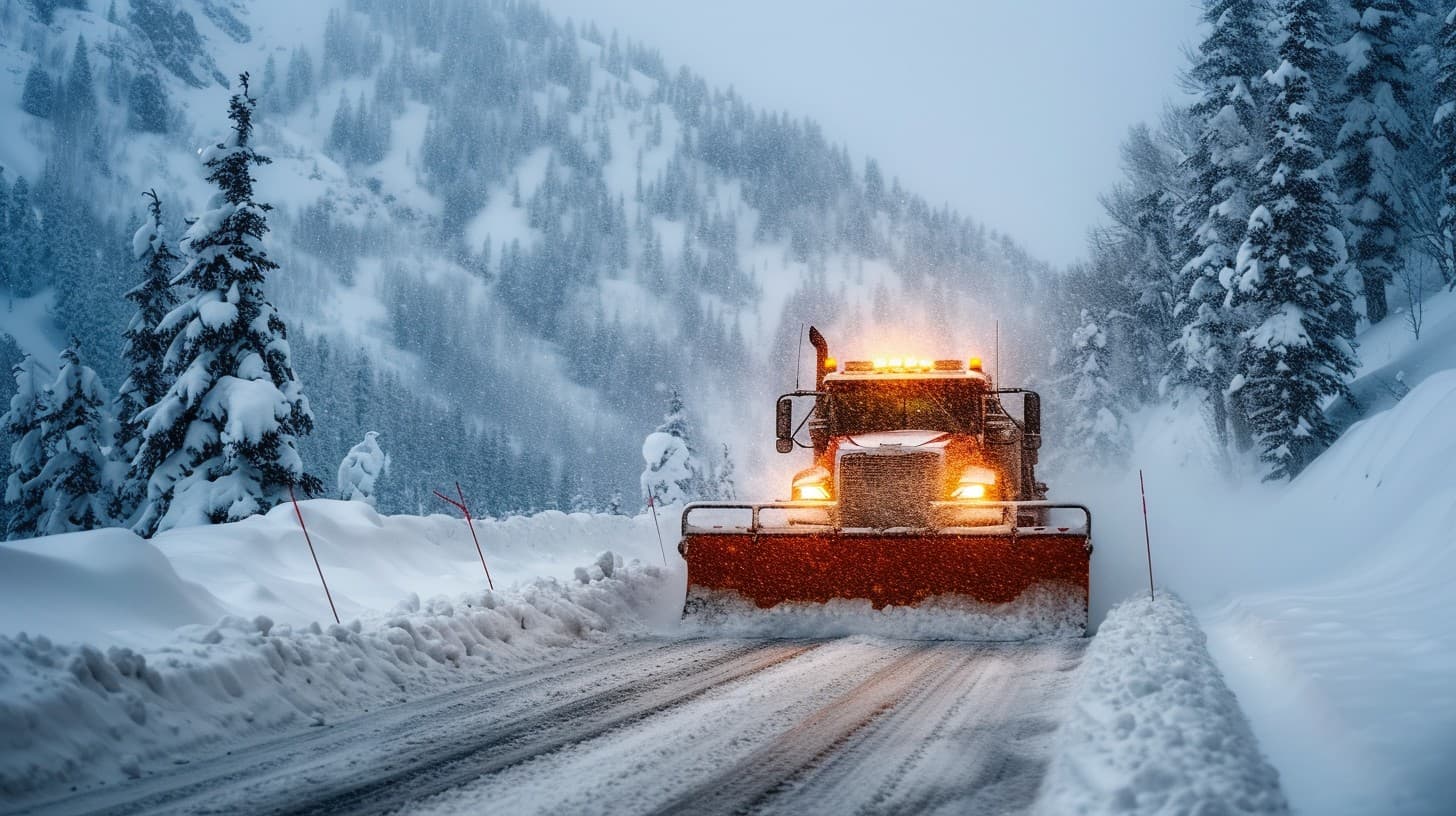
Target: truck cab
[911,442]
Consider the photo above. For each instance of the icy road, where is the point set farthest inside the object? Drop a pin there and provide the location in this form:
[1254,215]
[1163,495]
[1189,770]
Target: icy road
[664,726]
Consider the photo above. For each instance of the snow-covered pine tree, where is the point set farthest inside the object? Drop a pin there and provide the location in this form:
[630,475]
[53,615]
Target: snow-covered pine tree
[80,98]
[5,261]
[343,131]
[1444,133]
[144,349]
[362,469]
[147,108]
[1292,263]
[223,443]
[675,421]
[78,475]
[1374,134]
[1095,429]
[1222,172]
[672,473]
[727,487]
[23,491]
[39,97]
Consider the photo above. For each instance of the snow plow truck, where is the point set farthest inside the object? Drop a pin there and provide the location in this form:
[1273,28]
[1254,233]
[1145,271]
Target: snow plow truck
[922,492]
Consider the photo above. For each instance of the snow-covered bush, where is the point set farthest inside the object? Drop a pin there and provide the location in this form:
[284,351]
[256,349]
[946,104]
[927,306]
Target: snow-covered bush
[672,473]
[362,468]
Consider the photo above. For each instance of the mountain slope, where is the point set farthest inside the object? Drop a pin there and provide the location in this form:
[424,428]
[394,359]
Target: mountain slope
[503,239]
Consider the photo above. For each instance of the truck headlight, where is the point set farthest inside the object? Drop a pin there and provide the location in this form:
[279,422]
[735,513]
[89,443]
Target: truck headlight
[812,484]
[811,492]
[975,483]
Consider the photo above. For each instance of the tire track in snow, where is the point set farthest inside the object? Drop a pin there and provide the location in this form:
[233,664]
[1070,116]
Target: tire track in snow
[382,734]
[748,782]
[974,742]
[860,725]
[661,760]
[509,742]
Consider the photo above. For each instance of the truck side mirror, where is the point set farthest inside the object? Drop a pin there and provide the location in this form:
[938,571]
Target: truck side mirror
[784,425]
[1031,421]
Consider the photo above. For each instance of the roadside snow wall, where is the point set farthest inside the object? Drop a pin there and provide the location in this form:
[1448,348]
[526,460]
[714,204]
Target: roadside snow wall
[1153,729]
[76,713]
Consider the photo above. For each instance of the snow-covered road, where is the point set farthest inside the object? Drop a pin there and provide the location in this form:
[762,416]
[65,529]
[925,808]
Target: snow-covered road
[656,725]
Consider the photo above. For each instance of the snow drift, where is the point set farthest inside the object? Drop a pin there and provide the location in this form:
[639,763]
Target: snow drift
[1153,728]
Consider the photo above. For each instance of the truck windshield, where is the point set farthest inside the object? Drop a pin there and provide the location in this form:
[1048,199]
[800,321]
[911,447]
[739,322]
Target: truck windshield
[897,405]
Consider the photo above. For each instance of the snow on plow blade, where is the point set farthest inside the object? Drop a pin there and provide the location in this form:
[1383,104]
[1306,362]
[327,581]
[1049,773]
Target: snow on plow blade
[1022,580]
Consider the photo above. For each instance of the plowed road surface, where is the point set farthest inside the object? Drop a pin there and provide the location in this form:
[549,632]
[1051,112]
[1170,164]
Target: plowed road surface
[660,726]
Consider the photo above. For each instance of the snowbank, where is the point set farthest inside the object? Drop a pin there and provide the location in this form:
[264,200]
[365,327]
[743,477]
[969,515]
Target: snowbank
[106,585]
[1327,600]
[74,714]
[1153,728]
[262,566]
[117,653]
[110,587]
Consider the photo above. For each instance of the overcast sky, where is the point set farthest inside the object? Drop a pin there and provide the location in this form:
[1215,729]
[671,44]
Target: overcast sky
[1010,110]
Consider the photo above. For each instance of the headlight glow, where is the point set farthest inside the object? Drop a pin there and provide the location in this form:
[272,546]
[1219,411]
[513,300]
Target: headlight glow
[812,484]
[975,483]
[811,492]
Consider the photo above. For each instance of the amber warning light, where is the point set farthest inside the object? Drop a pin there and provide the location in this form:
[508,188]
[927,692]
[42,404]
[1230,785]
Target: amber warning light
[900,365]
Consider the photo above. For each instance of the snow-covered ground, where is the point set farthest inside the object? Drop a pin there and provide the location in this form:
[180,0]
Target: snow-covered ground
[118,653]
[1327,601]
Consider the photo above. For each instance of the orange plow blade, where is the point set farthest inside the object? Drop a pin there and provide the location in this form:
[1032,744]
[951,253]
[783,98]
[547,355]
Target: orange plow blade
[990,570]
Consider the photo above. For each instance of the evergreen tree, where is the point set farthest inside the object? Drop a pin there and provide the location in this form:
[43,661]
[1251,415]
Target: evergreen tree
[26,246]
[147,109]
[223,443]
[77,431]
[675,421]
[727,485]
[1222,173]
[145,351]
[80,87]
[1445,144]
[343,131]
[39,97]
[1290,266]
[5,257]
[300,77]
[1374,135]
[1095,426]
[23,424]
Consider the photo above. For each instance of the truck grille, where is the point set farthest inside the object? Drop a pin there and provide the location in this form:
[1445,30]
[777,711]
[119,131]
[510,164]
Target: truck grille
[882,490]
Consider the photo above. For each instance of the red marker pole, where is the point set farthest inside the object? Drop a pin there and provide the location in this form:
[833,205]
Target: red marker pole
[660,546]
[1147,538]
[471,524]
[327,594]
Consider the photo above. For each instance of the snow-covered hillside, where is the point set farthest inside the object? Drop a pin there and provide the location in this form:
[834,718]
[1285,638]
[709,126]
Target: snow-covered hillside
[504,239]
